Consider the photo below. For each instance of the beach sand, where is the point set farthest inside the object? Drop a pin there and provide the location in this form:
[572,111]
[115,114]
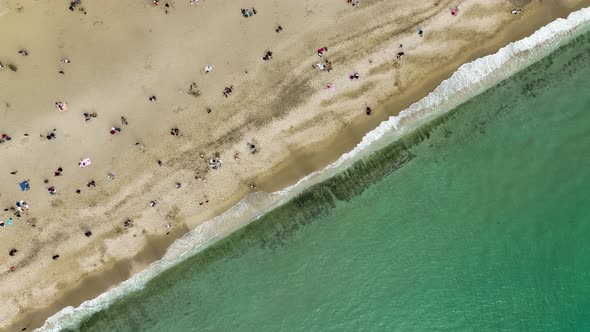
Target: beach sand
[123,53]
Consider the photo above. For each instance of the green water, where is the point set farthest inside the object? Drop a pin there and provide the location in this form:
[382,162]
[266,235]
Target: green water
[480,221]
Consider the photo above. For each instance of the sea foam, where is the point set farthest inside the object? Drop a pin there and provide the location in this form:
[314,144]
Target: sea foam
[468,81]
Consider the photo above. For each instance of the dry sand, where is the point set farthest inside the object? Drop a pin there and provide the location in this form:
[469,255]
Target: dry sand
[123,52]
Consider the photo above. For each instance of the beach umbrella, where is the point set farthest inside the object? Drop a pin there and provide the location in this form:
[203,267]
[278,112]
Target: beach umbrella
[24,186]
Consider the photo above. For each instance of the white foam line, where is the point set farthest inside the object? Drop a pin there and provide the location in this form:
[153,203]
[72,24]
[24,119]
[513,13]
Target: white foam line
[468,81]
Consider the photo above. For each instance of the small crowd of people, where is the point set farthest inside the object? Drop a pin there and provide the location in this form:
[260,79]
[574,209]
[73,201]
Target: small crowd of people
[267,56]
[248,12]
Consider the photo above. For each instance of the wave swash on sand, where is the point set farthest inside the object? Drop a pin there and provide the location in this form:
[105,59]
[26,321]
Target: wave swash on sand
[468,81]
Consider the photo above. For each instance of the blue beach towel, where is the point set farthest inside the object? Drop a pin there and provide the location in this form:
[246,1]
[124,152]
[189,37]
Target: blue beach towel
[24,186]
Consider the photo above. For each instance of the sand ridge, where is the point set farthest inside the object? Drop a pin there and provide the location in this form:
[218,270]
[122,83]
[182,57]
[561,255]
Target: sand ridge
[123,53]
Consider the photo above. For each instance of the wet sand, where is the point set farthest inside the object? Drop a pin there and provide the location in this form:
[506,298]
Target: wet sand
[281,104]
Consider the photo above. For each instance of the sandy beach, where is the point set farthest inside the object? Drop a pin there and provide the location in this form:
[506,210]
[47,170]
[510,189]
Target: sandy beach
[184,117]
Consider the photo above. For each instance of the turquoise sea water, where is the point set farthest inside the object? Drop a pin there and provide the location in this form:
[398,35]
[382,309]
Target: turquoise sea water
[478,221]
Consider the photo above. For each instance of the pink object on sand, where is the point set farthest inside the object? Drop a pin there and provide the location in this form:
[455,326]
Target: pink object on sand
[330,87]
[85,162]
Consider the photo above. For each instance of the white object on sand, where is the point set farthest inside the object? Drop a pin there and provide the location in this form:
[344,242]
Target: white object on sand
[85,162]
[62,106]
[208,68]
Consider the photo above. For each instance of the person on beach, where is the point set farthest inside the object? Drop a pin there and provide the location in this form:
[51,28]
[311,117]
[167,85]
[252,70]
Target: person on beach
[23,52]
[152,98]
[354,3]
[124,120]
[227,91]
[399,55]
[368,110]
[354,76]
[174,132]
[252,148]
[58,172]
[4,138]
[321,51]
[328,65]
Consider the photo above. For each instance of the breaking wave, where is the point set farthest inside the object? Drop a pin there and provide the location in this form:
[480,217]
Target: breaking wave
[468,81]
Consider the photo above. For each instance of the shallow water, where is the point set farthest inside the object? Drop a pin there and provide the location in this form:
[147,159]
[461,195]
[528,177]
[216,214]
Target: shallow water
[478,221]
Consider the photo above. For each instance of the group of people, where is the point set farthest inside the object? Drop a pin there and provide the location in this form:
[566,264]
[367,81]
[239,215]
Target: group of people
[354,3]
[5,138]
[267,56]
[248,12]
[214,163]
[227,91]
[76,4]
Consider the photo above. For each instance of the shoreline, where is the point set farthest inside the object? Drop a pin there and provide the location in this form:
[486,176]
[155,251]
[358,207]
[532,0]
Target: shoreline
[286,173]
[319,157]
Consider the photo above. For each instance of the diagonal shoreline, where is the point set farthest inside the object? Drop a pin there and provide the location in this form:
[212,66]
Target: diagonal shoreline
[290,170]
